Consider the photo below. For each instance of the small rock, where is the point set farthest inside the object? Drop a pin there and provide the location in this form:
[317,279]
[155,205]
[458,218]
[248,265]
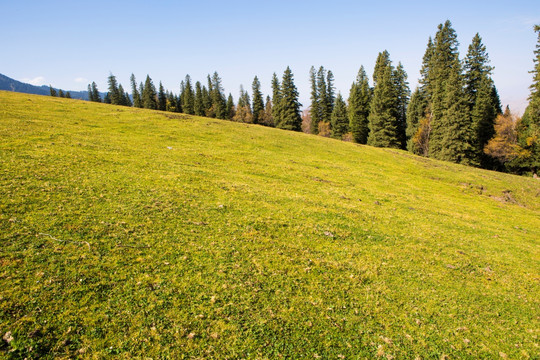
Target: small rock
[450,266]
[377,203]
[169,147]
[329,234]
[214,335]
[191,335]
[7,337]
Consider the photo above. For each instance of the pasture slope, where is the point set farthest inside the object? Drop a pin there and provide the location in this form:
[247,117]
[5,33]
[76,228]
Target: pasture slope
[134,233]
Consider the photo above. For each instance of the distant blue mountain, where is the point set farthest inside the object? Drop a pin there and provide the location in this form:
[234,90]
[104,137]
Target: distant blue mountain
[10,84]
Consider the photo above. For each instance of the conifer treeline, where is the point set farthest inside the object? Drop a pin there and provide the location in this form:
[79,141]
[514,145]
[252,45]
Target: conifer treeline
[454,114]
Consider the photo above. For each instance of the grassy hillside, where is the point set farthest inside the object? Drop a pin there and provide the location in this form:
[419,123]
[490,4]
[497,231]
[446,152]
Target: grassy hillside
[145,234]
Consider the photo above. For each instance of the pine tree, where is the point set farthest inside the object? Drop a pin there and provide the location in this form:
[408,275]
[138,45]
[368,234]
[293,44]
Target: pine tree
[137,102]
[290,107]
[198,105]
[450,122]
[90,95]
[207,102]
[95,93]
[339,119]
[322,90]
[383,115]
[122,98]
[149,96]
[61,93]
[230,107]
[52,91]
[268,119]
[171,102]
[188,98]
[425,87]
[528,131]
[403,94]
[455,125]
[358,111]
[314,109]
[162,98]
[68,95]
[276,100]
[218,98]
[382,62]
[243,110]
[107,98]
[258,103]
[330,94]
[127,99]
[114,94]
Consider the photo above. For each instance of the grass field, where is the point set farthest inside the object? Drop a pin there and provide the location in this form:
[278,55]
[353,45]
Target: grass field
[135,233]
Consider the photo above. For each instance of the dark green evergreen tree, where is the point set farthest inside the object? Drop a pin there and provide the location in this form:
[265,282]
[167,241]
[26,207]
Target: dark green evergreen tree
[330,91]
[258,102]
[68,95]
[61,93]
[90,95]
[95,93]
[207,102]
[416,111]
[339,119]
[137,102]
[52,91]
[162,98]
[188,97]
[198,105]
[314,109]
[383,115]
[219,102]
[381,64]
[403,94]
[230,107]
[528,131]
[107,98]
[149,96]
[276,100]
[290,107]
[322,90]
[358,110]
[114,93]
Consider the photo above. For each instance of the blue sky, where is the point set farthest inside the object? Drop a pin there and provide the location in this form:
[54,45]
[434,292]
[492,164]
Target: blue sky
[71,43]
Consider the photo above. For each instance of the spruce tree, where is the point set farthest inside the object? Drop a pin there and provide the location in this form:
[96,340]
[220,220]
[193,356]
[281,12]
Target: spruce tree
[188,98]
[528,131]
[122,98]
[403,94]
[339,119]
[127,99]
[162,98]
[358,110]
[455,125]
[149,96]
[290,107]
[230,107]
[330,94]
[218,98]
[137,102]
[258,103]
[52,91]
[276,100]
[381,64]
[61,93]
[95,93]
[322,90]
[314,109]
[198,105]
[268,119]
[90,95]
[383,115]
[107,98]
[207,102]
[114,94]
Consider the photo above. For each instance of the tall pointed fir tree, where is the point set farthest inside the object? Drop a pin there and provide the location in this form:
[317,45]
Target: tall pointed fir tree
[137,102]
[482,97]
[123,99]
[448,127]
[382,62]
[258,102]
[268,119]
[315,107]
[171,102]
[52,91]
[218,98]
[339,119]
[528,131]
[455,123]
[322,91]
[207,102]
[243,110]
[198,105]
[276,100]
[149,95]
[358,110]
[415,115]
[188,97]
[403,93]
[114,94]
[383,115]
[290,107]
[162,98]
[229,108]
[330,92]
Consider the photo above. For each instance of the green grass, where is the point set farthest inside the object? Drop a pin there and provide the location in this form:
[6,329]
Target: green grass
[172,236]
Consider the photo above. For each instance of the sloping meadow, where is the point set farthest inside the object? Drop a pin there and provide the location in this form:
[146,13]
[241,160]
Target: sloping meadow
[145,234]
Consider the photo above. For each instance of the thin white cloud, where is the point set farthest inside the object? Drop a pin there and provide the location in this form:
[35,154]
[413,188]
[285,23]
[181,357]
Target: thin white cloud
[81,80]
[38,81]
